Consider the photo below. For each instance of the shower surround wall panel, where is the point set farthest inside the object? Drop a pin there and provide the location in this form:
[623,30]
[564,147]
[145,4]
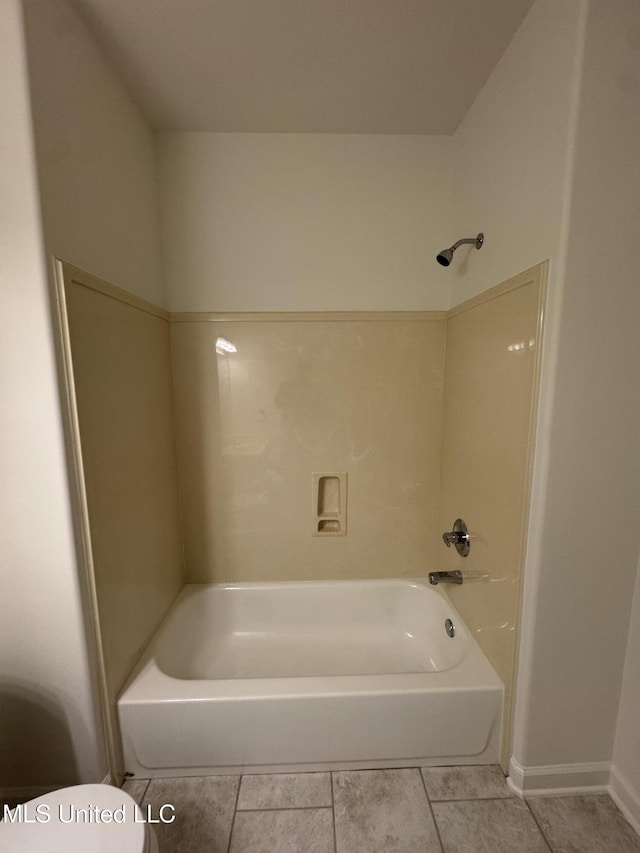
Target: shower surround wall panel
[263,402]
[121,372]
[493,344]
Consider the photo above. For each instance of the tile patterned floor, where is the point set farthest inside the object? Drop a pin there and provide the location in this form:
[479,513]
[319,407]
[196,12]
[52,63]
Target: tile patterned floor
[413,810]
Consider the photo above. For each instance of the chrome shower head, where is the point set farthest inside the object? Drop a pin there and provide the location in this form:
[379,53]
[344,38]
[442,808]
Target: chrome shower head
[446,255]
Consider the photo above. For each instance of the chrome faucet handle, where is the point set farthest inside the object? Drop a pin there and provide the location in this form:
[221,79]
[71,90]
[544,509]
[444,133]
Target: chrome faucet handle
[458,537]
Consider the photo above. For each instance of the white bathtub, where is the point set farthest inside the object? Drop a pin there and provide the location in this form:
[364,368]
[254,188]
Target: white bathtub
[307,676]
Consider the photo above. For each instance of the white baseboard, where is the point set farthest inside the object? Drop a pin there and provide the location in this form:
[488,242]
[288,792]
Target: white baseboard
[558,779]
[625,797]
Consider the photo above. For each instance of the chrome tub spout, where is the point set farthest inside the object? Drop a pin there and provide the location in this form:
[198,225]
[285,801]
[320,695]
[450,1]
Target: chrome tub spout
[445,577]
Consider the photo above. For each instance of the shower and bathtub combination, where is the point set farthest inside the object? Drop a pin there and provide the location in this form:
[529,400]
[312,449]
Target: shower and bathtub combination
[255,616]
[260,677]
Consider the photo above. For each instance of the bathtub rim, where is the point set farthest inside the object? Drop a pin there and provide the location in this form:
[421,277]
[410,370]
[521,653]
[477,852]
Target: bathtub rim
[149,684]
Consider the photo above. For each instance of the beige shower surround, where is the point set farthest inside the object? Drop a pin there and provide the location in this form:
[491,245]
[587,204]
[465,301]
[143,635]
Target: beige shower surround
[422,438]
[361,393]
[299,396]
[121,368]
[491,380]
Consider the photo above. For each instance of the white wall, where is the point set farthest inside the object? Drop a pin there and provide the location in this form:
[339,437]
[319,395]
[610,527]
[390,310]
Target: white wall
[305,222]
[96,157]
[581,567]
[48,731]
[511,151]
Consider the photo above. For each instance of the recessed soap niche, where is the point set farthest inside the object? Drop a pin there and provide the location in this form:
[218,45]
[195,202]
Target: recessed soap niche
[329,504]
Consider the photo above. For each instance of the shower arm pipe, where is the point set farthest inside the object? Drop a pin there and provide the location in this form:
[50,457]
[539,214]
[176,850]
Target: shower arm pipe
[477,242]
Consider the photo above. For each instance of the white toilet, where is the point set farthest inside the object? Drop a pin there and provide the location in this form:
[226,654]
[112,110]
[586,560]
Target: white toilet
[77,819]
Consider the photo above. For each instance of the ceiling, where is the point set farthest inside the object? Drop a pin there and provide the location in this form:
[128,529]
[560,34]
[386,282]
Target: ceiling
[305,66]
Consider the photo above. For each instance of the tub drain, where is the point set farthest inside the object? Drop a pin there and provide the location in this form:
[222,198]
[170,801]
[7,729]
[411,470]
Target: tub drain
[449,627]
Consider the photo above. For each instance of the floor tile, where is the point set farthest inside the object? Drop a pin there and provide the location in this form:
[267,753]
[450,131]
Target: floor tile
[584,824]
[465,783]
[285,791]
[283,831]
[203,808]
[488,826]
[383,810]
[136,788]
